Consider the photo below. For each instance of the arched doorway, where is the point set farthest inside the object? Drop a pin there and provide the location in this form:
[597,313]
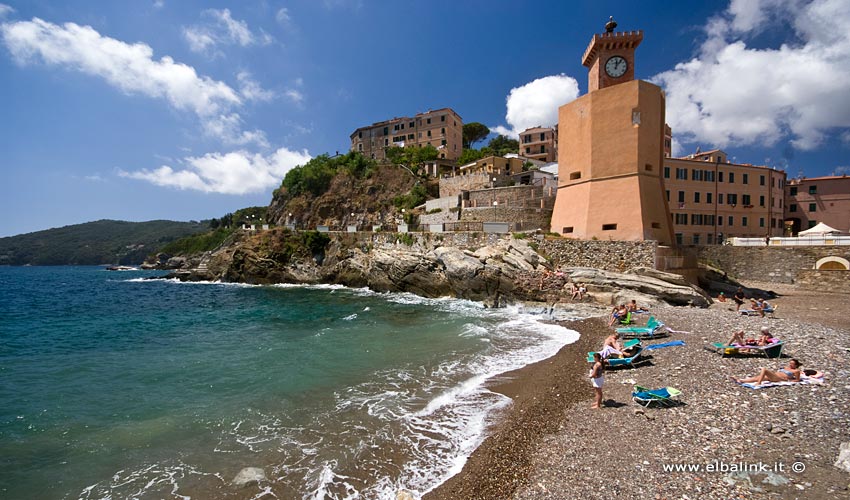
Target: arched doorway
[833,264]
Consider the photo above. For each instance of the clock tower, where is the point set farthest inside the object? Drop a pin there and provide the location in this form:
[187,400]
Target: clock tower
[611,150]
[610,57]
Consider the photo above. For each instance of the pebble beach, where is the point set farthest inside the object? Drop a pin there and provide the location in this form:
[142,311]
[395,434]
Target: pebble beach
[726,440]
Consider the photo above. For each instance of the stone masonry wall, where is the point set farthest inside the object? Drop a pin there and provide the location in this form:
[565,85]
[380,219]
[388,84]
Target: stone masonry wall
[776,264]
[824,281]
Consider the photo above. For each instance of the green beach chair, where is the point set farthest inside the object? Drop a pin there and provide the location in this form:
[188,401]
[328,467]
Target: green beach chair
[666,396]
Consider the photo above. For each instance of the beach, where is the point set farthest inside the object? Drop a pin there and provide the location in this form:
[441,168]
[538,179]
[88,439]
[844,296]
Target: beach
[728,441]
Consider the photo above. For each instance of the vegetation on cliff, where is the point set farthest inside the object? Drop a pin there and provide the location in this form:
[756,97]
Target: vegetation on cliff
[94,243]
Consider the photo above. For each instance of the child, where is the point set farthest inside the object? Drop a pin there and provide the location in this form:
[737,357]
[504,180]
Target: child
[597,378]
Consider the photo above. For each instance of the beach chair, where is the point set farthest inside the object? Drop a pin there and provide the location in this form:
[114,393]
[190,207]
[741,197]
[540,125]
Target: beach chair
[630,361]
[666,396]
[653,329]
[627,320]
[773,350]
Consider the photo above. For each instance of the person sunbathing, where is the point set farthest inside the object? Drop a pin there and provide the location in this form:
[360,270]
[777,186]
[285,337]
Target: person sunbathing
[633,307]
[790,373]
[617,313]
[613,347]
[764,339]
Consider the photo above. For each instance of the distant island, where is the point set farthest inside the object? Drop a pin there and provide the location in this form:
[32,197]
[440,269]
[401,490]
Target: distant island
[95,243]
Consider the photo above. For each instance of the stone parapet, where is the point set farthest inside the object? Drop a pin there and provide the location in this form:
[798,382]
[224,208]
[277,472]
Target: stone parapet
[824,281]
[774,264]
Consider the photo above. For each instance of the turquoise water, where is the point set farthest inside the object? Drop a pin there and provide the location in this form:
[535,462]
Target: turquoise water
[114,386]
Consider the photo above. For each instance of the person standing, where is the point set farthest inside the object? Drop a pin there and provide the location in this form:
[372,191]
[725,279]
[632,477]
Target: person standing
[597,378]
[739,298]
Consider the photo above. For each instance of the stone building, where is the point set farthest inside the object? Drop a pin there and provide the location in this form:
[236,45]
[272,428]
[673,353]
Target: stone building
[441,128]
[712,199]
[539,143]
[819,199]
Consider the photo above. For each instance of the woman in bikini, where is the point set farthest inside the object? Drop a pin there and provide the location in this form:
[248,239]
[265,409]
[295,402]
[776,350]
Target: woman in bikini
[790,373]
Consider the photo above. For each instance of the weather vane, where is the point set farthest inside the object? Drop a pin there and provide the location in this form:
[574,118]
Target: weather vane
[610,25]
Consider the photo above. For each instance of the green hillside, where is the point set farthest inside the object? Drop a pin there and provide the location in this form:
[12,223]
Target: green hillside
[93,243]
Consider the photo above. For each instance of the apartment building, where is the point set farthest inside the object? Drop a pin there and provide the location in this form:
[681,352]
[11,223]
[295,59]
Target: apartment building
[539,143]
[711,199]
[819,199]
[441,128]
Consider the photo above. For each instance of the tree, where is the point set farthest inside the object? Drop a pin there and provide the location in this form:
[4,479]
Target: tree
[469,156]
[474,132]
[502,145]
[413,159]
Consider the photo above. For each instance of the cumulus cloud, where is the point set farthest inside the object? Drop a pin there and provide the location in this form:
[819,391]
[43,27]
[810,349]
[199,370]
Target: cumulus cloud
[282,16]
[536,103]
[251,90]
[235,173]
[221,29]
[158,4]
[132,69]
[5,10]
[734,94]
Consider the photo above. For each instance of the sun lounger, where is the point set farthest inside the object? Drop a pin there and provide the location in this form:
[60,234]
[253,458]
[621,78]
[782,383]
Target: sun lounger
[666,396]
[630,361]
[752,312]
[771,350]
[804,381]
[653,329]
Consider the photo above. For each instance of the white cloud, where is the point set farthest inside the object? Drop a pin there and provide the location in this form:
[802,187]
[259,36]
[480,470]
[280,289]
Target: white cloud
[282,16]
[251,90]
[235,173]
[158,4]
[222,29]
[132,69]
[536,103]
[5,10]
[296,96]
[732,94]
[842,170]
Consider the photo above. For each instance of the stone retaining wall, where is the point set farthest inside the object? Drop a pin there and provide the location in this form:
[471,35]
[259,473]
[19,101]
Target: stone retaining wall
[824,281]
[776,264]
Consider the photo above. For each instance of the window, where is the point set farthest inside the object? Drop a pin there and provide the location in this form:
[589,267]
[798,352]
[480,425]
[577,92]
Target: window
[542,148]
[709,239]
[679,239]
[443,118]
[761,180]
[395,127]
[731,177]
[656,225]
[443,142]
[568,229]
[708,197]
[696,239]
[609,227]
[682,174]
[745,199]
[443,130]
[575,175]
[528,150]
[732,199]
[709,175]
[730,221]
[666,172]
[360,147]
[360,135]
[696,219]
[696,175]
[720,199]
[813,207]
[647,167]
[792,191]
[410,125]
[682,219]
[746,178]
[720,221]
[428,121]
[761,221]
[719,176]
[813,189]
[386,131]
[526,139]
[668,194]
[542,136]
[744,221]
[761,201]
[696,197]
[386,142]
[812,223]
[792,207]
[429,133]
[681,196]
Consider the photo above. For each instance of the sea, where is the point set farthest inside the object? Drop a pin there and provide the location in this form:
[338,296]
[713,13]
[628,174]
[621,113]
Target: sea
[114,385]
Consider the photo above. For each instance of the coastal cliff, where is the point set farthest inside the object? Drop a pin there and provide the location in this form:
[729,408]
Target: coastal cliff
[495,270]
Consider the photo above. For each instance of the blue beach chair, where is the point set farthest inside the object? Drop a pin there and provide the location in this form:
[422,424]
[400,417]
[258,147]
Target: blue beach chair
[666,396]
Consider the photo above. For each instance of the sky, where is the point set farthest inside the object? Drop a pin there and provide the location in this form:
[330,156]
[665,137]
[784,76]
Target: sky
[187,110]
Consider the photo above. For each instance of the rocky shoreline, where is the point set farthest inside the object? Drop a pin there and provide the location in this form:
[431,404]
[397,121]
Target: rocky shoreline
[550,444]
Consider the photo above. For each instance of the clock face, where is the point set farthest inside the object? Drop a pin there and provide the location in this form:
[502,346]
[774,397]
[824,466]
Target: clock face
[616,66]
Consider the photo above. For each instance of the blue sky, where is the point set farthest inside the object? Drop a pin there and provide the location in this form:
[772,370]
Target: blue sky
[187,110]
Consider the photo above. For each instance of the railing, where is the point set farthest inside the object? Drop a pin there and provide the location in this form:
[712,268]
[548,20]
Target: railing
[800,241]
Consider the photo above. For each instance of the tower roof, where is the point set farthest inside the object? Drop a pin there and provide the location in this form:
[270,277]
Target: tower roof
[611,41]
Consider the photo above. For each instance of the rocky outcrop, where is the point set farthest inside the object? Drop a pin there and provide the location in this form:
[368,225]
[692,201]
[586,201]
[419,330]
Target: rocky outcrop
[505,270]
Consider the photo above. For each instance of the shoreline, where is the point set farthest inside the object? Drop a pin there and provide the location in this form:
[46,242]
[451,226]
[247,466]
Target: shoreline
[540,391]
[549,444]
